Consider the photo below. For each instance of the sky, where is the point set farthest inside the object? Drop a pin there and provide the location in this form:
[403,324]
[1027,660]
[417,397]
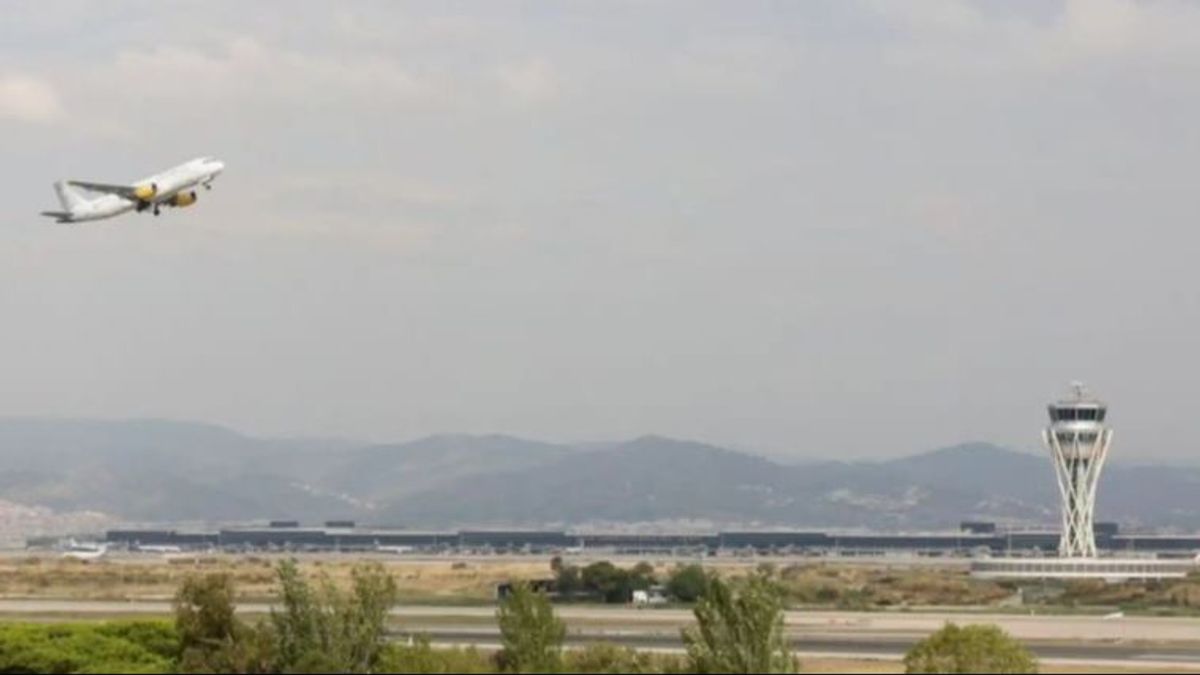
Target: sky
[824,230]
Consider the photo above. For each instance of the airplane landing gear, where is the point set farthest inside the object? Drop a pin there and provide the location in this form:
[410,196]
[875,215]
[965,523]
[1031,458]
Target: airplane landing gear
[156,210]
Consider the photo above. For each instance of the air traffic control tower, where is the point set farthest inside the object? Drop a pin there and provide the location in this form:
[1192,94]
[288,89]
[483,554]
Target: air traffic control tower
[1079,441]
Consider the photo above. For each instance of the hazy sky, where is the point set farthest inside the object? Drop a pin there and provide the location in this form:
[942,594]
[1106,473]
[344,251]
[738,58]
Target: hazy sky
[841,229]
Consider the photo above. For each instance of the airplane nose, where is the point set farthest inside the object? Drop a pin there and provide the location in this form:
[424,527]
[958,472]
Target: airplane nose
[218,167]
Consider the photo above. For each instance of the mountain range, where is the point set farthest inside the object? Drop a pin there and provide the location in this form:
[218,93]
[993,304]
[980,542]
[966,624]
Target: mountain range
[152,471]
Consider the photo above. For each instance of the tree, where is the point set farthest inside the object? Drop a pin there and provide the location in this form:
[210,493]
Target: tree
[739,632]
[204,611]
[325,629]
[568,581]
[532,636]
[643,570]
[687,583]
[211,639]
[613,584]
[969,649]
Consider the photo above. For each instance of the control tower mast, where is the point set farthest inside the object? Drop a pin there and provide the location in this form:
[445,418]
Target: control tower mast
[1079,441]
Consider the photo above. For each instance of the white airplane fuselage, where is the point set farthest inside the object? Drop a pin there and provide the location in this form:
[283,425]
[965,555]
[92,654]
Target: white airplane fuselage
[79,551]
[165,550]
[108,206]
[174,187]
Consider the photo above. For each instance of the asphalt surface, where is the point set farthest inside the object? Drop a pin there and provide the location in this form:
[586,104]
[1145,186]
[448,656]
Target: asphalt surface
[878,635]
[848,647]
[917,623]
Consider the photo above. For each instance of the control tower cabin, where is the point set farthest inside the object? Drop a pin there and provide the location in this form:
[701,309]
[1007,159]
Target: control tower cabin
[1078,440]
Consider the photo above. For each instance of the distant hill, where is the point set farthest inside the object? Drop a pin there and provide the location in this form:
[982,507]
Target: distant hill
[153,470]
[656,478]
[389,472]
[158,471]
[645,479]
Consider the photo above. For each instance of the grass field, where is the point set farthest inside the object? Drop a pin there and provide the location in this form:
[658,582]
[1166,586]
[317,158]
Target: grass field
[148,578]
[466,581]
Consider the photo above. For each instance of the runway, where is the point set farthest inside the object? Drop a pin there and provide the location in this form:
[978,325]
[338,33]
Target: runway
[1145,641]
[879,648]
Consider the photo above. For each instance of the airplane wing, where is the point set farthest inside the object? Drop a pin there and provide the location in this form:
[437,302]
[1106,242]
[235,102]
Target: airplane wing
[131,192]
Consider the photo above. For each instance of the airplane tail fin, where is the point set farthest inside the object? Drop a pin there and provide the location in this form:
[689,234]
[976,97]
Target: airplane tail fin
[68,197]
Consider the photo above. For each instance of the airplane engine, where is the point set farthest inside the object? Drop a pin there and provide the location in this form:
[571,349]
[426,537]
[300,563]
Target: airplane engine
[184,199]
[146,192]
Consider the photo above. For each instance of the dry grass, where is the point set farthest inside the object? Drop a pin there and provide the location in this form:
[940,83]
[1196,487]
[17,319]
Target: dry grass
[156,578]
[818,585]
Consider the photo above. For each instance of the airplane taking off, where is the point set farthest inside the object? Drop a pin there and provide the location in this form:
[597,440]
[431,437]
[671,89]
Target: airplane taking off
[174,187]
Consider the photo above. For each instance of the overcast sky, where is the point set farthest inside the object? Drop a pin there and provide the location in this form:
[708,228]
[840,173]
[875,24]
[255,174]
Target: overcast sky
[833,229]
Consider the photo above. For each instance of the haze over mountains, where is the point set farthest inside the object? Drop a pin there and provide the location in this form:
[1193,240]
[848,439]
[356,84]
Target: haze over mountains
[159,472]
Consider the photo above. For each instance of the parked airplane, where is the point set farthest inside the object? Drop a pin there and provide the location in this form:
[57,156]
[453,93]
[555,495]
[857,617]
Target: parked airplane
[80,551]
[165,550]
[395,550]
[174,187]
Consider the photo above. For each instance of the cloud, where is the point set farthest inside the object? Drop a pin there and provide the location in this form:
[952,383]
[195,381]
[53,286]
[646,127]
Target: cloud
[532,81]
[1073,34]
[244,66]
[1113,28]
[29,99]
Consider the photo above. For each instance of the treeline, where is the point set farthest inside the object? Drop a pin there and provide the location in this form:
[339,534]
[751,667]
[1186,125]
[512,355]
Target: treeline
[605,582]
[319,627]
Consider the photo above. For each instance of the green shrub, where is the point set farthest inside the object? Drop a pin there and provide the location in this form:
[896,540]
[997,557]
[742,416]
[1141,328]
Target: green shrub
[604,658]
[421,657]
[77,648]
[610,658]
[969,649]
[157,637]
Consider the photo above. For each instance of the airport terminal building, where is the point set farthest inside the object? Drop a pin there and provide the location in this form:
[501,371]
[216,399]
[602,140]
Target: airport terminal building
[973,540]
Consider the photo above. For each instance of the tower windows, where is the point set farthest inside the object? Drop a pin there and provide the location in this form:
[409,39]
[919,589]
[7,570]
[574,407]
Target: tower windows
[1071,414]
